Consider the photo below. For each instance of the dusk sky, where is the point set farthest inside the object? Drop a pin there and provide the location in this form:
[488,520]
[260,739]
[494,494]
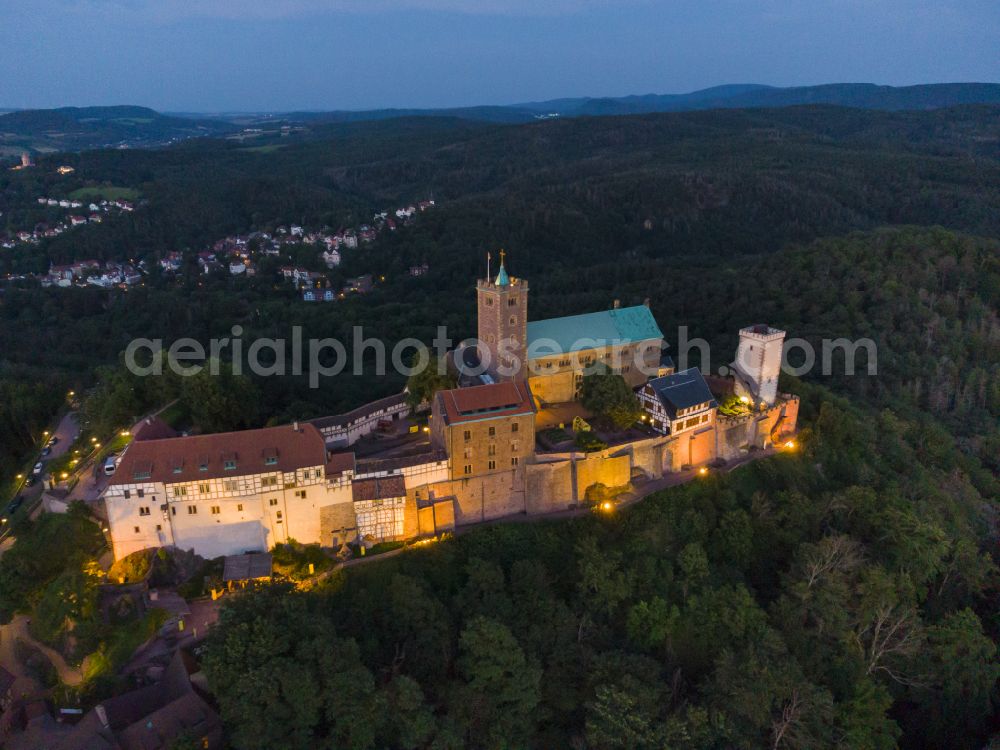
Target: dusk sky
[242,55]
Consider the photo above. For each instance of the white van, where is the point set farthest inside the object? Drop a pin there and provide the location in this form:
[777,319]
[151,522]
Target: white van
[110,464]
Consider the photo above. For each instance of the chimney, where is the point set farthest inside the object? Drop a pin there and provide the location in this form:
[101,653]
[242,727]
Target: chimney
[103,716]
[618,303]
[646,302]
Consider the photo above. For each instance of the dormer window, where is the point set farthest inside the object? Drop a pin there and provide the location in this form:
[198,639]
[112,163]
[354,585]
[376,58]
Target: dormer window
[229,464]
[270,460]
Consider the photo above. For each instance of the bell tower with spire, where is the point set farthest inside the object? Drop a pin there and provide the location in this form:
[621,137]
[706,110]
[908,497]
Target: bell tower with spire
[503,324]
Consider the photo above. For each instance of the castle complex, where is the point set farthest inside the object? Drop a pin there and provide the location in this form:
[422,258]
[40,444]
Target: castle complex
[499,444]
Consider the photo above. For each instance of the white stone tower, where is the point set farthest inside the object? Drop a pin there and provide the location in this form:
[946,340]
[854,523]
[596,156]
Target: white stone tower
[758,362]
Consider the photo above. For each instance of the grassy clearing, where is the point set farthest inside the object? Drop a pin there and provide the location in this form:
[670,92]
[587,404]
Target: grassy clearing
[268,149]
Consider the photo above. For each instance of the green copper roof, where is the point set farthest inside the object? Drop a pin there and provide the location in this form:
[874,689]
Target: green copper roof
[578,332]
[502,278]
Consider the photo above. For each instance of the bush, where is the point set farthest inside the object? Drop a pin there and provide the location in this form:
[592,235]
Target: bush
[292,560]
[589,442]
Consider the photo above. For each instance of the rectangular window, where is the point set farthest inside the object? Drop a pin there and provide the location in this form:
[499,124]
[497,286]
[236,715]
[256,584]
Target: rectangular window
[229,464]
[140,493]
[141,475]
[127,494]
[269,482]
[468,435]
[492,450]
[180,491]
[230,485]
[493,431]
[492,465]
[278,515]
[192,510]
[513,461]
[468,469]
[514,427]
[178,469]
[300,493]
[239,507]
[271,460]
[173,511]
[216,510]
[136,529]
[273,501]
[144,510]
[159,528]
[204,489]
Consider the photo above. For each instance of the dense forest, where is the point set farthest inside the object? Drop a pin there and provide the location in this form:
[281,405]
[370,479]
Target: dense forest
[708,214]
[841,596]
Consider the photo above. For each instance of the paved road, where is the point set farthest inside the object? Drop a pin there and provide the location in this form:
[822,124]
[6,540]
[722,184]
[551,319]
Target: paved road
[66,431]
[18,629]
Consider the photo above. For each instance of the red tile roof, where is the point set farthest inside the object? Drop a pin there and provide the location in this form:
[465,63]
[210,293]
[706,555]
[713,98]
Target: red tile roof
[486,402]
[188,459]
[379,488]
[153,428]
[338,463]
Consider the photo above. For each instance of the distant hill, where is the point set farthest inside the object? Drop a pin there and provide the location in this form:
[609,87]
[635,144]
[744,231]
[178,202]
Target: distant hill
[858,95]
[80,128]
[733,96]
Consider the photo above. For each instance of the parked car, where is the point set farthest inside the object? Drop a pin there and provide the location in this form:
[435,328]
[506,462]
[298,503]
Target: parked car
[46,451]
[14,504]
[38,469]
[29,481]
[110,464]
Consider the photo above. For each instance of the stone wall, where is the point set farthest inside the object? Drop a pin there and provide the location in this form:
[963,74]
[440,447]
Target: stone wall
[549,487]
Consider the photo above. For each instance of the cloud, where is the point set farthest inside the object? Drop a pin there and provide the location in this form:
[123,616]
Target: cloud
[177,10]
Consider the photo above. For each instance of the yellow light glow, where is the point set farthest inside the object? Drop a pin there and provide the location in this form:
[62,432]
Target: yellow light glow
[125,433]
[607,506]
[745,399]
[93,440]
[790,445]
[427,429]
[702,471]
[97,445]
[64,475]
[20,476]
[46,433]
[72,393]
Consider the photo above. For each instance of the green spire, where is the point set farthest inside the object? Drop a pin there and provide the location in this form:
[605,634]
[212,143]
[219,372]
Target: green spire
[502,278]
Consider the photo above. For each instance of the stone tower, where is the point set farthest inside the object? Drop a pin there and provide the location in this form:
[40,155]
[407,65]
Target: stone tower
[503,325]
[758,362]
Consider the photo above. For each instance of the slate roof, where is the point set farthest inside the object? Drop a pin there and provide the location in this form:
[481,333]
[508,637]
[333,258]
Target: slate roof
[362,412]
[506,399]
[682,390]
[181,459]
[579,332]
[247,567]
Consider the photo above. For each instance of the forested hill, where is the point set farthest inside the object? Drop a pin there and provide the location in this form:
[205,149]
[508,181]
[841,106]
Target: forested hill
[78,128]
[706,183]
